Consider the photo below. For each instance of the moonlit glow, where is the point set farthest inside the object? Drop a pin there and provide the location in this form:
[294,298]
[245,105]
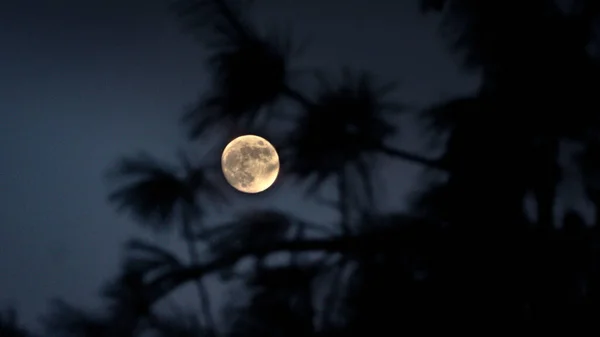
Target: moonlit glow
[250,164]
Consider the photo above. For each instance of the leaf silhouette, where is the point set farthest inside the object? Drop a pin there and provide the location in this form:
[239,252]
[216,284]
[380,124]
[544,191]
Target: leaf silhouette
[277,307]
[345,125]
[352,245]
[156,193]
[250,71]
[250,229]
[148,259]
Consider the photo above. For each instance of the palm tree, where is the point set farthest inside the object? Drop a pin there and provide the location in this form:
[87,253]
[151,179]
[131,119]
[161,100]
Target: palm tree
[156,194]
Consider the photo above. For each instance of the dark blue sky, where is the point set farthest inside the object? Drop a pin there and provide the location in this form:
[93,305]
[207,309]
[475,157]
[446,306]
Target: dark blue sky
[82,82]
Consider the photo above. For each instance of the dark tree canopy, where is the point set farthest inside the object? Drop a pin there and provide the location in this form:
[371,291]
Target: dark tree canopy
[468,254]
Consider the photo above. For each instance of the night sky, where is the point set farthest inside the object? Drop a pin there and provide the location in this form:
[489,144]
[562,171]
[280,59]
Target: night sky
[83,82]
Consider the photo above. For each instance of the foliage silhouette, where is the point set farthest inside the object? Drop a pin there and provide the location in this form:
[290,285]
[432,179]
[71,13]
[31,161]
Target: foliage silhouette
[158,194]
[469,250]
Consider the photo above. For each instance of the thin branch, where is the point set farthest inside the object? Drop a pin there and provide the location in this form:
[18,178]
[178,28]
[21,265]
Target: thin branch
[165,284]
[431,163]
[343,202]
[202,293]
[297,97]
[333,295]
[415,158]
[234,21]
[231,18]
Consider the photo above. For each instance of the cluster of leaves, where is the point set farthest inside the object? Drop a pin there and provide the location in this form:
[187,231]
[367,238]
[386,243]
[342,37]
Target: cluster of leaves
[468,251]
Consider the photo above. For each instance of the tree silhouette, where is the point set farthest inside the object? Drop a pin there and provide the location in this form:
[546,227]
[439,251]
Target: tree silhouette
[467,251]
[514,80]
[157,194]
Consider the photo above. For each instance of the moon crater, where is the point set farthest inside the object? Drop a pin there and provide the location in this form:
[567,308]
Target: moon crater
[250,164]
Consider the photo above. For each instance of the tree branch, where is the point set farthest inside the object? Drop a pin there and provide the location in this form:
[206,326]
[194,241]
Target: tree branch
[231,18]
[165,284]
[234,21]
[297,97]
[431,163]
[401,154]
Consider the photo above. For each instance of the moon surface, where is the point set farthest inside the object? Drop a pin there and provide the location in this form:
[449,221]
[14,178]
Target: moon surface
[250,164]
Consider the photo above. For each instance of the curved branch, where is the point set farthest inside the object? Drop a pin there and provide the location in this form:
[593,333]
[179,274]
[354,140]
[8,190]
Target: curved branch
[231,18]
[414,158]
[297,97]
[165,284]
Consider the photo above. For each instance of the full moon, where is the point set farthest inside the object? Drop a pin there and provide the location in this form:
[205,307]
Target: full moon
[250,164]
